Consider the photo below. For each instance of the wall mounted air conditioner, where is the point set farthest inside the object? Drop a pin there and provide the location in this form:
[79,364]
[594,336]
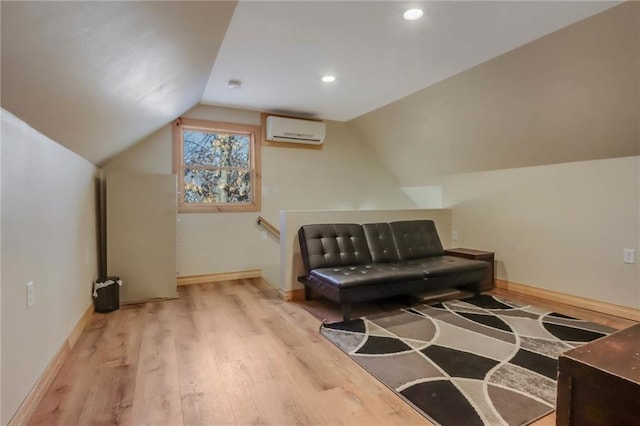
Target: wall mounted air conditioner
[295,130]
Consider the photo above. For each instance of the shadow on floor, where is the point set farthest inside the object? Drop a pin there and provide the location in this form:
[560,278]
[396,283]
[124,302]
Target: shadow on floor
[327,310]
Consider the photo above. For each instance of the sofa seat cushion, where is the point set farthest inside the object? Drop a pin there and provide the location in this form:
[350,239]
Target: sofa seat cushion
[357,275]
[442,265]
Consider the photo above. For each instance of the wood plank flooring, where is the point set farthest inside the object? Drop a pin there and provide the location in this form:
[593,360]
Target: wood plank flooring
[226,353]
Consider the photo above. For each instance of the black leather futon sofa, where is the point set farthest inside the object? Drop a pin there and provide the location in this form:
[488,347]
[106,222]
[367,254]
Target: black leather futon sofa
[350,263]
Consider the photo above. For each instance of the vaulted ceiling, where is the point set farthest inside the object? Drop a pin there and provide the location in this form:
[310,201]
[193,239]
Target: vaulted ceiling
[99,76]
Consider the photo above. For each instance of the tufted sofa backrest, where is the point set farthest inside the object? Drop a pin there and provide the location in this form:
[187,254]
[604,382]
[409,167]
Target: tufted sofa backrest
[337,244]
[416,239]
[344,244]
[380,241]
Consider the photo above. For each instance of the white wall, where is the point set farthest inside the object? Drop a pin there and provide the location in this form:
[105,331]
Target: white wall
[343,175]
[560,227]
[48,237]
[290,221]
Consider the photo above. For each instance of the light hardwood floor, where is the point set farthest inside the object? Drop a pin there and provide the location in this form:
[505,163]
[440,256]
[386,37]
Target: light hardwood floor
[224,353]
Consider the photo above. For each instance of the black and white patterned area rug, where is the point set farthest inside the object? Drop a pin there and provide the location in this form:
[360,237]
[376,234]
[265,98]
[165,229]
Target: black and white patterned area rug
[481,361]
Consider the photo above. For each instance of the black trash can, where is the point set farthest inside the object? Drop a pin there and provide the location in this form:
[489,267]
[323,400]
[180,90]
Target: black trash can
[106,294]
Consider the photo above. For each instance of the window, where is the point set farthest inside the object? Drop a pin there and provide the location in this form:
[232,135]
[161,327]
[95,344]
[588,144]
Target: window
[218,166]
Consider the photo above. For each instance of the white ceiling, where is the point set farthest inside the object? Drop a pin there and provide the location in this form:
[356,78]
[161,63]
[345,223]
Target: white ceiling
[99,76]
[281,49]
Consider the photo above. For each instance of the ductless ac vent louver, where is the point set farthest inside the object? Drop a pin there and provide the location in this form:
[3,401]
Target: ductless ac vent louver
[295,130]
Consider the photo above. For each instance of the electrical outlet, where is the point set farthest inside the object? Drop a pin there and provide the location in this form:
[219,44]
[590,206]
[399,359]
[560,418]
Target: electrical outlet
[629,256]
[30,297]
[454,235]
[263,235]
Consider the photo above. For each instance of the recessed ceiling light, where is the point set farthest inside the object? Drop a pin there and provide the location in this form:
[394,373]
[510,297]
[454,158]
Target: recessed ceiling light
[412,14]
[328,79]
[234,84]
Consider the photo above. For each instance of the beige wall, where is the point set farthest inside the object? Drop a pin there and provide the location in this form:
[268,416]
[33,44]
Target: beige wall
[536,152]
[48,237]
[343,175]
[561,227]
[570,96]
[290,221]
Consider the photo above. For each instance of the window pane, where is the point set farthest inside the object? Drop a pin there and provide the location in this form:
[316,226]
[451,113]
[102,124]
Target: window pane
[216,149]
[217,186]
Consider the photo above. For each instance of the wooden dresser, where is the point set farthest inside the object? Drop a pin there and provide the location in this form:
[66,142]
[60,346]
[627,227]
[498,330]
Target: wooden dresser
[599,383]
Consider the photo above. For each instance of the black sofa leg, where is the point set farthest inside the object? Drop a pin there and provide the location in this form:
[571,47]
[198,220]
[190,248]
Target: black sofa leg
[410,299]
[346,312]
[307,293]
[477,289]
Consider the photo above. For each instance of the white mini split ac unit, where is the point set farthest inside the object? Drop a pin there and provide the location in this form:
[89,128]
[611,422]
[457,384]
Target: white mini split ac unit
[295,130]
